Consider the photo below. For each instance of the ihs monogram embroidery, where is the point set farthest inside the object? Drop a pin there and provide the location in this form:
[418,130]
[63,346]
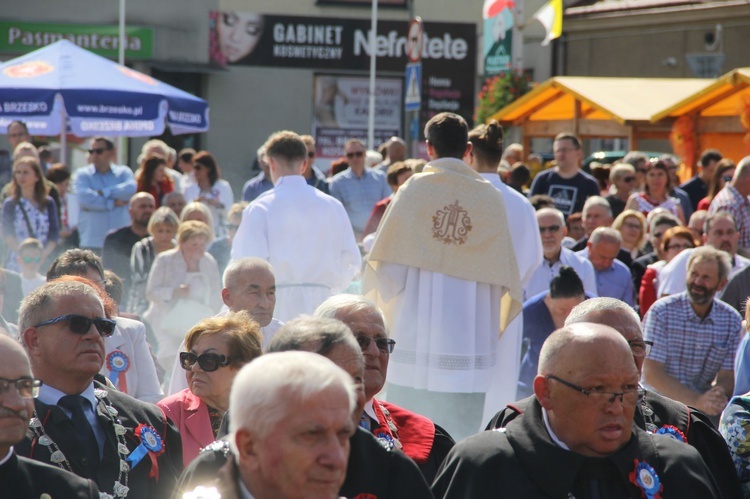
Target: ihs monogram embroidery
[452,224]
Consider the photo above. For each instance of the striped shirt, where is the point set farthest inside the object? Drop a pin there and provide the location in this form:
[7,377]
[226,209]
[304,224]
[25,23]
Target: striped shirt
[693,350]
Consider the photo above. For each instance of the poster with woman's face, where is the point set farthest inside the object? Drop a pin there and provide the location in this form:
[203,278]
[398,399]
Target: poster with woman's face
[234,35]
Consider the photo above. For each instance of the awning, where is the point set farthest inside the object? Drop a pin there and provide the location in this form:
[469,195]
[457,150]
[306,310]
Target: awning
[726,96]
[624,100]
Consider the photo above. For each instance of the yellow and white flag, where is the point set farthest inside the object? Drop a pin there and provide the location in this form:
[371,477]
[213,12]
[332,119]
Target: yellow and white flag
[550,15]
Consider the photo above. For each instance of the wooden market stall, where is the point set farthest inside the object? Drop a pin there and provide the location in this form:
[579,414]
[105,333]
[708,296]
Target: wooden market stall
[717,116]
[598,107]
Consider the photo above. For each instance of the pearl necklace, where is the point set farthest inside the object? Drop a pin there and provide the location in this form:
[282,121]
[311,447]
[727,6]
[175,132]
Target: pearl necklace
[104,408]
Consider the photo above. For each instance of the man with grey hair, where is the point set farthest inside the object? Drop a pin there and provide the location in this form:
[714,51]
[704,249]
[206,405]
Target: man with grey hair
[416,435]
[612,276]
[290,422]
[695,337]
[579,430]
[598,213]
[733,198]
[552,230]
[638,160]
[655,413]
[720,232]
[622,179]
[80,423]
[261,182]
[374,469]
[312,260]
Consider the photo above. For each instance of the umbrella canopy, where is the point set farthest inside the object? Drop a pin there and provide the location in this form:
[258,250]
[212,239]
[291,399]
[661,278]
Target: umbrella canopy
[63,83]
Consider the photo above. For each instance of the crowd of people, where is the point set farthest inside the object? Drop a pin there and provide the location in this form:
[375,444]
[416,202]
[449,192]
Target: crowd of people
[348,333]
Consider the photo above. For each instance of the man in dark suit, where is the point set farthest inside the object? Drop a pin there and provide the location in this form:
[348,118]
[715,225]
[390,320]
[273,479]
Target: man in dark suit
[22,478]
[577,438]
[127,447]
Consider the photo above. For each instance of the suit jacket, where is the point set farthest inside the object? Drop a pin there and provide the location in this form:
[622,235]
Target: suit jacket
[22,478]
[131,413]
[372,471]
[521,460]
[695,425]
[190,414]
[140,378]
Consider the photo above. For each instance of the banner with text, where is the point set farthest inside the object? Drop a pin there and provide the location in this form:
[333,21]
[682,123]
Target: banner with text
[448,53]
[341,110]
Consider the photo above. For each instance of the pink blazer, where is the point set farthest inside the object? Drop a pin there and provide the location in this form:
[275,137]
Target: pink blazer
[190,414]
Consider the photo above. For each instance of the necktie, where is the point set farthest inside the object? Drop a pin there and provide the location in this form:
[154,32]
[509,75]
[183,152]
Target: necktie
[88,448]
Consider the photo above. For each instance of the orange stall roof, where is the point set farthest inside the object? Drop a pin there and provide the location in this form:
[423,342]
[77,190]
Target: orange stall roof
[726,96]
[625,100]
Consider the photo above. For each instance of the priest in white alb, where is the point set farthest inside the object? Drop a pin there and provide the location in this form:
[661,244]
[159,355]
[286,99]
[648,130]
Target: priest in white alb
[303,233]
[443,270]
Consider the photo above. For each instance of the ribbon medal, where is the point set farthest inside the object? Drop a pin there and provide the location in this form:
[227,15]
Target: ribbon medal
[118,364]
[672,432]
[151,445]
[646,479]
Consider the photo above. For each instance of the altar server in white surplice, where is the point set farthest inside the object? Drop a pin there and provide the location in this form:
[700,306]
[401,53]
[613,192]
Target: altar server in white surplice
[304,234]
[443,269]
[484,157]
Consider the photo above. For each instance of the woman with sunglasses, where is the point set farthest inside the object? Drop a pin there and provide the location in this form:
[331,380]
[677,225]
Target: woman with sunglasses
[216,348]
[673,242]
[656,192]
[723,174]
[29,211]
[622,183]
[632,227]
[209,188]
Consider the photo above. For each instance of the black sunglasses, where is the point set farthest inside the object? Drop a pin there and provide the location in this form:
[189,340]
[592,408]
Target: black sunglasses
[311,154]
[357,154]
[80,324]
[385,345]
[98,150]
[209,362]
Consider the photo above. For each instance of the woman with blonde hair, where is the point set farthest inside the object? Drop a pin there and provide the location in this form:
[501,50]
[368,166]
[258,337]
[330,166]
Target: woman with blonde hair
[183,287]
[198,211]
[29,211]
[632,227]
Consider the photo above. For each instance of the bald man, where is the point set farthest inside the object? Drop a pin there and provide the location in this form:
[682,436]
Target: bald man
[21,477]
[655,413]
[118,244]
[577,438]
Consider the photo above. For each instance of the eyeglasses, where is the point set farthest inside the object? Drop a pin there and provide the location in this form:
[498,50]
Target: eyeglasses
[197,167]
[628,179]
[657,235]
[601,398]
[727,178]
[551,229]
[209,362]
[356,154]
[27,387]
[31,259]
[385,345]
[640,348]
[80,324]
[311,154]
[632,226]
[98,150]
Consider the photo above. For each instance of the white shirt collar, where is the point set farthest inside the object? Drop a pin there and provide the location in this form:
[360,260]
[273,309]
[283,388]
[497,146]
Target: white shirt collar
[51,396]
[552,435]
[7,456]
[370,411]
[243,490]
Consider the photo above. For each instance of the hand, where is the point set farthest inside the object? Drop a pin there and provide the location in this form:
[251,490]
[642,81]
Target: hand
[713,401]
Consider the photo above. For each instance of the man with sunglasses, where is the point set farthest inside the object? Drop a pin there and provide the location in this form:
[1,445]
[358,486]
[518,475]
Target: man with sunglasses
[417,436]
[103,190]
[313,175]
[552,230]
[80,424]
[359,187]
[654,413]
[303,233]
[577,437]
[21,477]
